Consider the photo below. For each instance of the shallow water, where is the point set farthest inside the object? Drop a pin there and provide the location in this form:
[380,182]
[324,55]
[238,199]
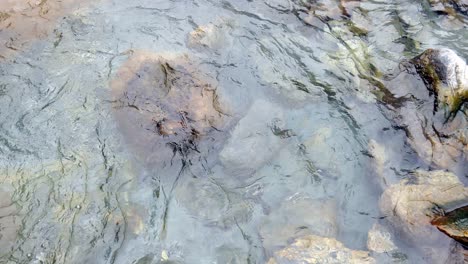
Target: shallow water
[284,152]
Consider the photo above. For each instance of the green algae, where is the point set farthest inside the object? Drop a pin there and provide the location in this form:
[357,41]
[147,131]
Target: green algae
[357,31]
[4,16]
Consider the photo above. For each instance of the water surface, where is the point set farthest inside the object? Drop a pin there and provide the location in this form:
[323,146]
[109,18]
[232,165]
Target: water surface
[273,109]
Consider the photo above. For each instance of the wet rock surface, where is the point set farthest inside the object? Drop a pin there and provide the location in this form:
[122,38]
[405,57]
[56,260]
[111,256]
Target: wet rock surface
[316,249]
[206,200]
[9,220]
[221,131]
[411,205]
[445,75]
[450,7]
[434,116]
[380,239]
[454,224]
[302,220]
[252,142]
[23,22]
[212,37]
[167,109]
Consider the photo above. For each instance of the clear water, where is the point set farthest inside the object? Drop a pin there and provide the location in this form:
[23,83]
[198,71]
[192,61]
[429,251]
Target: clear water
[82,181]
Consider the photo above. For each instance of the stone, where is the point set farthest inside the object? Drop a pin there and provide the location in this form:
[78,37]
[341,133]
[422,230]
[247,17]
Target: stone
[212,204]
[449,7]
[166,107]
[446,75]
[252,142]
[380,239]
[412,204]
[213,36]
[302,219]
[316,249]
[434,115]
[9,221]
[25,21]
[330,9]
[454,224]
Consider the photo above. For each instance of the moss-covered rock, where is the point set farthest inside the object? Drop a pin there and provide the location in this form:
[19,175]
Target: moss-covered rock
[446,75]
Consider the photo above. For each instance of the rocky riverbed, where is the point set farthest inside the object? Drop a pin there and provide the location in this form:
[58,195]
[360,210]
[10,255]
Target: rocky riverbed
[272,131]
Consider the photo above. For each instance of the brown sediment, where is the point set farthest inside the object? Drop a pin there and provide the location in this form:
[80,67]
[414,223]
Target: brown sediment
[166,106]
[24,21]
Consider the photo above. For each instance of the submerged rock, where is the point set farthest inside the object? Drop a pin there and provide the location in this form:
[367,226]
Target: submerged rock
[305,216]
[24,21]
[9,221]
[446,75]
[381,243]
[449,7]
[454,224]
[411,205]
[330,9]
[211,203]
[316,249]
[253,142]
[166,108]
[380,239]
[214,36]
[434,114]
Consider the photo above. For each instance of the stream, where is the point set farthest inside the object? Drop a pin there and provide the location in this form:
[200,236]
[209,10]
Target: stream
[222,131]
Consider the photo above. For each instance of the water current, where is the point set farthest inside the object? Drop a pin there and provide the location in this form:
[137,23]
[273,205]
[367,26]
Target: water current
[213,131]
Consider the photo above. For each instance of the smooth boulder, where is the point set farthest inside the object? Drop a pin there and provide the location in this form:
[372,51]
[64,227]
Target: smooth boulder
[446,75]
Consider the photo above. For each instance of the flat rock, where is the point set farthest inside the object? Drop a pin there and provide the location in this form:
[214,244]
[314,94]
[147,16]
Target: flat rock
[411,205]
[316,249]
